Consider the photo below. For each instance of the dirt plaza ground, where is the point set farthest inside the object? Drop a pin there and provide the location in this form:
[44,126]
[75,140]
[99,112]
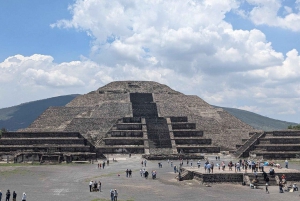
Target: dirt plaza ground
[70,182]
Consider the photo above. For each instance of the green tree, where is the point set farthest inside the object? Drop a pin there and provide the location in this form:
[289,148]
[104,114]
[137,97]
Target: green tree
[296,127]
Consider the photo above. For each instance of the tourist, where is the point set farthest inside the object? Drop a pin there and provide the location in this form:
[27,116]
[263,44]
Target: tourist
[218,165]
[198,163]
[295,188]
[255,174]
[208,166]
[127,172]
[283,179]
[103,164]
[212,167]
[286,164]
[142,163]
[112,194]
[141,172]
[14,196]
[90,184]
[230,165]
[153,174]
[0,195]
[267,190]
[171,163]
[216,158]
[99,186]
[272,171]
[191,163]
[115,195]
[146,174]
[145,163]
[246,166]
[130,172]
[223,166]
[280,187]
[7,195]
[238,166]
[24,197]
[175,168]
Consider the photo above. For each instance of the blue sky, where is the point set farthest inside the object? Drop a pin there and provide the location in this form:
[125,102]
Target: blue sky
[241,54]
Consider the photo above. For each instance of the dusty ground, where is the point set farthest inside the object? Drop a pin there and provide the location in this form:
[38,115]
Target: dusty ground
[70,182]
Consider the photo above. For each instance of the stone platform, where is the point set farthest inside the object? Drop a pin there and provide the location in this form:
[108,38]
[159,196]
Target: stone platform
[231,176]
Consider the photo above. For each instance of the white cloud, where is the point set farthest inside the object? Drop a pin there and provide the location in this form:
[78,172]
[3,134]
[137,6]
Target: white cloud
[185,44]
[267,13]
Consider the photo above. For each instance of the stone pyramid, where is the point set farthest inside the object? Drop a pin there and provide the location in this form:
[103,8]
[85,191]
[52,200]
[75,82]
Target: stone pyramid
[132,109]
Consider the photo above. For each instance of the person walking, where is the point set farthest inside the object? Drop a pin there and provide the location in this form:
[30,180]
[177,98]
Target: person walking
[286,164]
[267,184]
[24,197]
[0,195]
[7,195]
[14,196]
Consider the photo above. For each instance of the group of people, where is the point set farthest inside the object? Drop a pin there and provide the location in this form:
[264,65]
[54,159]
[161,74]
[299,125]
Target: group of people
[114,195]
[14,196]
[128,173]
[102,165]
[95,186]
[144,163]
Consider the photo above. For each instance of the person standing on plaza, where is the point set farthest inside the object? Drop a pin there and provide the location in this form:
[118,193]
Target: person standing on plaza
[24,197]
[212,167]
[267,184]
[127,172]
[145,162]
[115,195]
[14,196]
[0,195]
[99,186]
[90,185]
[7,195]
[112,194]
[130,172]
[286,164]
[199,163]
[141,172]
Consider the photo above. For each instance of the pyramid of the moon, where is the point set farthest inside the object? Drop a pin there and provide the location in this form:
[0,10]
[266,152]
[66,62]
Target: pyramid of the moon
[145,117]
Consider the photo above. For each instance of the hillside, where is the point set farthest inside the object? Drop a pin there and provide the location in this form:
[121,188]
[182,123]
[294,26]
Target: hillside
[21,116]
[258,121]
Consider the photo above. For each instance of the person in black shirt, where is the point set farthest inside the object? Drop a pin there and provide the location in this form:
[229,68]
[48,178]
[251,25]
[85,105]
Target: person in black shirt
[7,195]
[14,196]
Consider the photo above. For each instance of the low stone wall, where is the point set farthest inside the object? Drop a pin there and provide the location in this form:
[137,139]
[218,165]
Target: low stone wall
[193,141]
[188,133]
[172,156]
[183,126]
[40,134]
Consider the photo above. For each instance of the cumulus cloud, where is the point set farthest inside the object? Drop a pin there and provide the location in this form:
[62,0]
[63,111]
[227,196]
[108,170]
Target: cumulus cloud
[185,44]
[268,12]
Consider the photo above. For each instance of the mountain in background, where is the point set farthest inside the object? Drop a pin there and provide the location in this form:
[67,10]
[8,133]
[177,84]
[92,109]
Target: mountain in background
[21,116]
[258,121]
